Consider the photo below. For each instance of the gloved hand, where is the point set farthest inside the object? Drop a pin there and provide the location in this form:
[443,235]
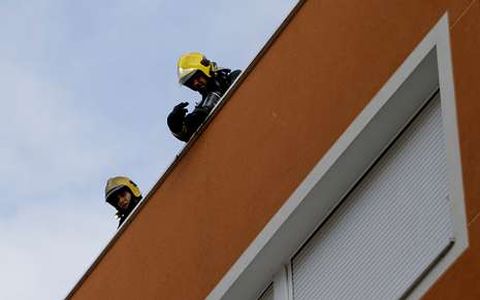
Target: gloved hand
[180,109]
[176,117]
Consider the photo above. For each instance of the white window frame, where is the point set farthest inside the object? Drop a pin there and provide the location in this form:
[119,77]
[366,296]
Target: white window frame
[427,69]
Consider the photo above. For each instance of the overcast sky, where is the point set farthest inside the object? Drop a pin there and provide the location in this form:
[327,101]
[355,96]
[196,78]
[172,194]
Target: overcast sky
[85,87]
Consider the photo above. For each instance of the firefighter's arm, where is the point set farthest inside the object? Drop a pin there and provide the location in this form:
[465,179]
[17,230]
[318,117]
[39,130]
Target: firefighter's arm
[195,119]
[233,75]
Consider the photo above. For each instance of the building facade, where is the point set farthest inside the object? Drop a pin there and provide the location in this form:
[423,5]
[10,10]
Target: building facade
[343,164]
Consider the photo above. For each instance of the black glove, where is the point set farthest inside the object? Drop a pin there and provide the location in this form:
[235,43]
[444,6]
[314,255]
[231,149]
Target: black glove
[180,108]
[176,117]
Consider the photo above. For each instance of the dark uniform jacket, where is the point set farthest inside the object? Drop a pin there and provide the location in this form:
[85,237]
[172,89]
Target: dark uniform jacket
[184,125]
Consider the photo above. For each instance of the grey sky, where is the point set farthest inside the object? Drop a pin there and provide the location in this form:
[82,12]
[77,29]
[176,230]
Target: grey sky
[85,87]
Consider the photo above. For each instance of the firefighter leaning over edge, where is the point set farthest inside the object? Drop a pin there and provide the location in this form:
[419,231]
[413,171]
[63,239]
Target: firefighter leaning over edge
[123,194]
[198,73]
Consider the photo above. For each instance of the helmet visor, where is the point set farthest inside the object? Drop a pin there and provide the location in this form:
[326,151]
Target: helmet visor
[185,74]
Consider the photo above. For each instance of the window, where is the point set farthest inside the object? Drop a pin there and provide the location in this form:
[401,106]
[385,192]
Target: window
[389,168]
[391,227]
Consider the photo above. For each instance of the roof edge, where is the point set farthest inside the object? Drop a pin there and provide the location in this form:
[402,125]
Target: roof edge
[188,145]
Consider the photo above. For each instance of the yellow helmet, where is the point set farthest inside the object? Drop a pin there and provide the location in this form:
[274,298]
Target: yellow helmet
[116,183]
[189,63]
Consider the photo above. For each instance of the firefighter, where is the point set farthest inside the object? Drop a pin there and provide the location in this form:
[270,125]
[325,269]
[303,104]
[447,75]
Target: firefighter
[198,73]
[123,194]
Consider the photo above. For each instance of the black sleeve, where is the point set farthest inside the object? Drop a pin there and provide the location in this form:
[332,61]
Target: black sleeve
[224,79]
[194,119]
[175,122]
[233,75]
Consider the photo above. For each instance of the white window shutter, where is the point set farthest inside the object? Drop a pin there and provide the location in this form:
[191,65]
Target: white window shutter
[390,229]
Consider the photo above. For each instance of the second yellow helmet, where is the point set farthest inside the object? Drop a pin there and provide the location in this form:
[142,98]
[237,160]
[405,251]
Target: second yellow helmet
[116,183]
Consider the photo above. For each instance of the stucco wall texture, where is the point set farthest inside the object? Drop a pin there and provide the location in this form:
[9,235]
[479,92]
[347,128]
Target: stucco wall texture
[315,78]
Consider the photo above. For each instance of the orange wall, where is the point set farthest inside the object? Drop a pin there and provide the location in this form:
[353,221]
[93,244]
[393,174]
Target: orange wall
[316,77]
